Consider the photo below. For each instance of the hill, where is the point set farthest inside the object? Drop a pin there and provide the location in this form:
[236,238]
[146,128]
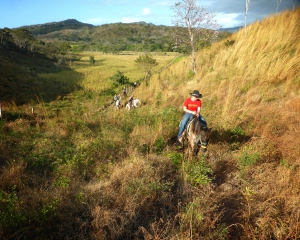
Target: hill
[251,86]
[138,36]
[41,29]
[73,30]
[23,58]
[232,30]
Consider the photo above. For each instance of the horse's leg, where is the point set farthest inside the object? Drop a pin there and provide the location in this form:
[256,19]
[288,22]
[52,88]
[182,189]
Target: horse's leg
[196,149]
[194,145]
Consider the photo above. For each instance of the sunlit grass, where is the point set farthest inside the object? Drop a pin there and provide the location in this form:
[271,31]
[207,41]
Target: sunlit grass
[96,76]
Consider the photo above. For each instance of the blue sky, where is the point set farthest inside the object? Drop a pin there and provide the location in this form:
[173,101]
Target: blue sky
[230,13]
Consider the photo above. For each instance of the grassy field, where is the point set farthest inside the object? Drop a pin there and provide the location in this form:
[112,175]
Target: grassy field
[97,76]
[78,169]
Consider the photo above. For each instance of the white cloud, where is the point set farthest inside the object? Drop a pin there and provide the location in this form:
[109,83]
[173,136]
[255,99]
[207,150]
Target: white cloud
[146,11]
[228,20]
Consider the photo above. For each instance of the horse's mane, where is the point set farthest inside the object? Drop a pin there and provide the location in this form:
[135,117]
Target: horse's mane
[197,126]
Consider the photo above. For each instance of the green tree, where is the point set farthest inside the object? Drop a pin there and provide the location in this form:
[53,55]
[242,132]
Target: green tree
[92,60]
[22,38]
[64,47]
[119,79]
[147,63]
[4,36]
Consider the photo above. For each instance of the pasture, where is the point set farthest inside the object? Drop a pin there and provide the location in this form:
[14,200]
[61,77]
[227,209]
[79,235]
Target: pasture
[96,77]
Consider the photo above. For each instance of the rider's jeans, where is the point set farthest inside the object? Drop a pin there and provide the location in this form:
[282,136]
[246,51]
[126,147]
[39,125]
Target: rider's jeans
[184,121]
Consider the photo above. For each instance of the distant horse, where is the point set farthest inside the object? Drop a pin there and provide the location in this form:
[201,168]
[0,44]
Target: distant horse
[118,104]
[117,100]
[135,104]
[197,134]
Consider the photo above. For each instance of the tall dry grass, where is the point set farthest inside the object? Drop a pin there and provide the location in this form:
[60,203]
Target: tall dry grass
[250,83]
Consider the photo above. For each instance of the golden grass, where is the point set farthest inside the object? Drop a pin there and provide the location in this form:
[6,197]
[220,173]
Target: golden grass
[253,84]
[97,76]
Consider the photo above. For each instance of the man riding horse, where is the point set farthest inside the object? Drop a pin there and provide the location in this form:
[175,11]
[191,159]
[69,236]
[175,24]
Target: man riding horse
[191,107]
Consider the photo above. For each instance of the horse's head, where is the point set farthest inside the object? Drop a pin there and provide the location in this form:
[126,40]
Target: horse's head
[198,135]
[204,137]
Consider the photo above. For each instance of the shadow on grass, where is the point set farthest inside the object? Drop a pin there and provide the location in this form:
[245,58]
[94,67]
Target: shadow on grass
[228,136]
[20,83]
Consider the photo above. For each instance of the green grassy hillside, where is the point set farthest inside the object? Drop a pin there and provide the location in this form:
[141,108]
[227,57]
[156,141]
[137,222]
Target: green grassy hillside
[79,169]
[109,37]
[115,37]
[42,29]
[19,78]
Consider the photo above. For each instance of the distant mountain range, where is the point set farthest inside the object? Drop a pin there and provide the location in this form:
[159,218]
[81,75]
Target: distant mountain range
[73,24]
[114,37]
[232,30]
[40,29]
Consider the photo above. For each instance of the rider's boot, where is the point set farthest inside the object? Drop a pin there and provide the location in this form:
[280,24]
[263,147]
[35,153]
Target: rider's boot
[179,142]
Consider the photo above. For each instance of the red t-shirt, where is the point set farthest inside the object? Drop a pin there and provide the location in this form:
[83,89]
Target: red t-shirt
[192,105]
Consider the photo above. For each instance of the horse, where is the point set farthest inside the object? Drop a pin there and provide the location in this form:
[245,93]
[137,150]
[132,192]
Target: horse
[117,100]
[118,104]
[197,134]
[135,104]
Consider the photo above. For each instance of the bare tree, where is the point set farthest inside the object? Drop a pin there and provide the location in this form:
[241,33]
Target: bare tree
[192,24]
[278,4]
[246,13]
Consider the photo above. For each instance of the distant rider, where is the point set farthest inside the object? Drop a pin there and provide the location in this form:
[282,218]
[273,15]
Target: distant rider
[116,98]
[131,101]
[124,91]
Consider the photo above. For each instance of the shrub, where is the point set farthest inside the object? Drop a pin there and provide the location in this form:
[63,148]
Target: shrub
[10,214]
[92,60]
[159,145]
[248,158]
[119,79]
[176,159]
[197,172]
[229,43]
